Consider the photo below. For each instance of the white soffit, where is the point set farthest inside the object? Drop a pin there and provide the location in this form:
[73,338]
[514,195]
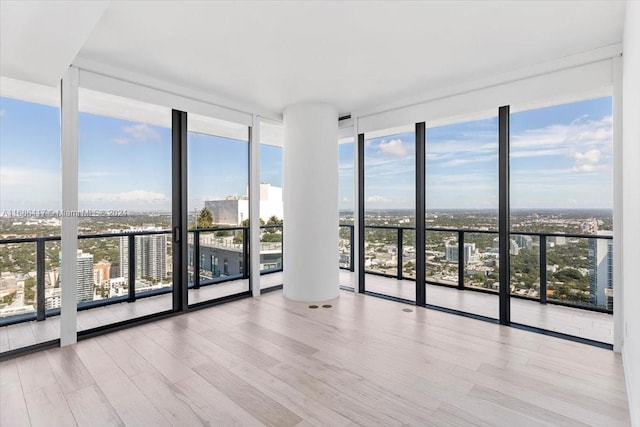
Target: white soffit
[31,92]
[103,104]
[40,39]
[271,133]
[210,126]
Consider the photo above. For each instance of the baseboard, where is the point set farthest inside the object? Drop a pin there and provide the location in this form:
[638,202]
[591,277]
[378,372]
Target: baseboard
[634,402]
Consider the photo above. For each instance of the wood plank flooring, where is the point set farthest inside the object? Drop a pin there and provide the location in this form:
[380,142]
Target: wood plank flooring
[273,362]
[567,320]
[29,333]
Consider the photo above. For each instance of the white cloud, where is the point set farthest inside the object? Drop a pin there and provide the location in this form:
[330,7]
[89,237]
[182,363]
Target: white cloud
[376,167]
[395,147]
[448,148]
[29,188]
[537,153]
[1,113]
[588,161]
[140,197]
[138,132]
[24,177]
[378,199]
[580,133]
[465,161]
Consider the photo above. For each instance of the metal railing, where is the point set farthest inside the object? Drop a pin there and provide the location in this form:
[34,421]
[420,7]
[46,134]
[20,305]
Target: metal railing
[224,238]
[272,264]
[460,237]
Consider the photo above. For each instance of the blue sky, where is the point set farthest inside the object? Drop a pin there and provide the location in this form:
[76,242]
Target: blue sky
[560,158]
[122,164]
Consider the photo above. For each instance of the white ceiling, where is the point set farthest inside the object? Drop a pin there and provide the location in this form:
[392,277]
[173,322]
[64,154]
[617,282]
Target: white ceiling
[40,39]
[268,55]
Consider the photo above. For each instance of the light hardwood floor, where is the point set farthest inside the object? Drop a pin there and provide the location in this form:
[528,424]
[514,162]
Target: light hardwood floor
[270,361]
[29,333]
[567,320]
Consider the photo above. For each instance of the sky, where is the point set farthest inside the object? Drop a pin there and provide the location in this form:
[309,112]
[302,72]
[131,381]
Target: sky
[561,157]
[121,164]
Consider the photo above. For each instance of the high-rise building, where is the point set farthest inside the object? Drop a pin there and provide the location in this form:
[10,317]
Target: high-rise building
[150,255]
[235,209]
[514,249]
[524,242]
[451,252]
[601,271]
[84,282]
[101,271]
[84,270]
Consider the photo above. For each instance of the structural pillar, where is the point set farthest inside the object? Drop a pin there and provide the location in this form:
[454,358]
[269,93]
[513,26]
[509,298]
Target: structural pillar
[310,195]
[69,240]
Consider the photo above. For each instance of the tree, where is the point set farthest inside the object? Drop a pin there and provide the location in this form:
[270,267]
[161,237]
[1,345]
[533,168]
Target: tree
[205,220]
[245,223]
[272,237]
[274,220]
[29,290]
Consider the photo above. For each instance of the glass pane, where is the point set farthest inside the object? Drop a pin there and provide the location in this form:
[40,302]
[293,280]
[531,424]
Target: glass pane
[218,204]
[525,267]
[561,189]
[271,206]
[409,253]
[124,165]
[389,209]
[30,201]
[462,203]
[347,206]
[271,213]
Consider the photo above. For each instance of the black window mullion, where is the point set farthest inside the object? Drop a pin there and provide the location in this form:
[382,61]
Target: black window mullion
[420,214]
[503,215]
[179,211]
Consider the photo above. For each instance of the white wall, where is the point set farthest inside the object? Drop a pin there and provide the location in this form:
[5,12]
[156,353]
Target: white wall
[631,205]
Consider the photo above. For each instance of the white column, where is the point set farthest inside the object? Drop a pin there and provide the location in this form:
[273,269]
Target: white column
[618,287]
[356,217]
[254,208]
[311,203]
[69,242]
[631,207]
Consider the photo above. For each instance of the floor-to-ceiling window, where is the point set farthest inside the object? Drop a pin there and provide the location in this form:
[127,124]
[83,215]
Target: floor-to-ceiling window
[462,259]
[30,201]
[124,201]
[389,169]
[561,218]
[218,205]
[271,206]
[346,205]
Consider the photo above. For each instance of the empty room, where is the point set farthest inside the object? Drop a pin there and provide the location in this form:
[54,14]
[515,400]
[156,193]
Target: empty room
[319,213]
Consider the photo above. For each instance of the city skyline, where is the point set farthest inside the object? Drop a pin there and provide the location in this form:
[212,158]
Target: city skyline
[560,159]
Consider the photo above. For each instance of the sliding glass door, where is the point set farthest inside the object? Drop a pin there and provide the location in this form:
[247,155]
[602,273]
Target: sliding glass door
[218,208]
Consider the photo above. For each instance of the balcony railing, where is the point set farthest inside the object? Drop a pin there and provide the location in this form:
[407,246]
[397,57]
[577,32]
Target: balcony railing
[565,287]
[37,306]
[583,281]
